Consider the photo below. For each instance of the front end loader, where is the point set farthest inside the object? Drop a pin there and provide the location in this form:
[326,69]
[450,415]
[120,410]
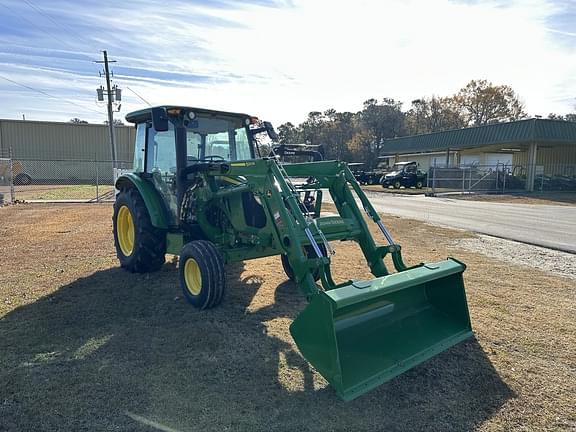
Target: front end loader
[200,190]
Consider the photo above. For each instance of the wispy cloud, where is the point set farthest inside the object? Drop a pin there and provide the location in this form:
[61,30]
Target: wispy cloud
[280,59]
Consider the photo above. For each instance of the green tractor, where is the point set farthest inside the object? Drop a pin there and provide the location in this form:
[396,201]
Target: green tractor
[199,190]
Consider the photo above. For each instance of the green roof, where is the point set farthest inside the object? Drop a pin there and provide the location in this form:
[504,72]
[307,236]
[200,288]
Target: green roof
[522,131]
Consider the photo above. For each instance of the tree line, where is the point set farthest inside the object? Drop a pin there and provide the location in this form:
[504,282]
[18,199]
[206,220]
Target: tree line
[76,120]
[360,136]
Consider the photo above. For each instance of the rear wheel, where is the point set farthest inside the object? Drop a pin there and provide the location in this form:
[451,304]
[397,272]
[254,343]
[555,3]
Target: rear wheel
[309,251]
[202,276]
[419,184]
[140,246]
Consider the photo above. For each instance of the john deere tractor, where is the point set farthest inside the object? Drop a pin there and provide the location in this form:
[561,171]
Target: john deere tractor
[200,190]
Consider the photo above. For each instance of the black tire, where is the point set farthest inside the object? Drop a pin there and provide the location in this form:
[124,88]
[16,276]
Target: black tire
[149,243]
[309,251]
[206,261]
[397,184]
[22,179]
[419,184]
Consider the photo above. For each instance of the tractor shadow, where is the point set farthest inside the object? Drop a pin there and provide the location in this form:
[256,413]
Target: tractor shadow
[121,351]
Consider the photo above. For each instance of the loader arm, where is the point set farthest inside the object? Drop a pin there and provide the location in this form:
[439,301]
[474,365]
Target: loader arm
[289,229]
[358,333]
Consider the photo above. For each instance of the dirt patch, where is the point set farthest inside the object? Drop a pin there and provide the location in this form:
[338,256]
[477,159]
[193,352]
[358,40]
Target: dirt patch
[548,198]
[401,191]
[87,346]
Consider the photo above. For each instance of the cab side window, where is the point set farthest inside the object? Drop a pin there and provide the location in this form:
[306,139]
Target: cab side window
[161,156]
[139,147]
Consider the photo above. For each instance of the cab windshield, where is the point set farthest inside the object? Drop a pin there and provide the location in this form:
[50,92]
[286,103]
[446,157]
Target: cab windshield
[217,139]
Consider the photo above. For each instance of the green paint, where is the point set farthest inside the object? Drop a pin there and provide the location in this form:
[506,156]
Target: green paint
[149,195]
[364,334]
[357,334]
[174,243]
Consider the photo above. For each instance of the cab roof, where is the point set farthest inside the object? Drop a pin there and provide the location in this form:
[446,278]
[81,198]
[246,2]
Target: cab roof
[145,114]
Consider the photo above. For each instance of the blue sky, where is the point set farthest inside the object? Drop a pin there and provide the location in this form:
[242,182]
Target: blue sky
[280,59]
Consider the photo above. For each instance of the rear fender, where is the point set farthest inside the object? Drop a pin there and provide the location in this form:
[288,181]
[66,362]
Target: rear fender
[149,195]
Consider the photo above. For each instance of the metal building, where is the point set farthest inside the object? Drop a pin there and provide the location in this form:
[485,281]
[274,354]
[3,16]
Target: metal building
[533,149]
[59,151]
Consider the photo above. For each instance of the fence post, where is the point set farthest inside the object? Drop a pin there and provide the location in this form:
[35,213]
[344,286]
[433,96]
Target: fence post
[434,179]
[463,179]
[97,180]
[12,197]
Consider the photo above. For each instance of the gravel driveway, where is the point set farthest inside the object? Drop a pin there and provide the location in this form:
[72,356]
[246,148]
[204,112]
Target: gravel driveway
[549,260]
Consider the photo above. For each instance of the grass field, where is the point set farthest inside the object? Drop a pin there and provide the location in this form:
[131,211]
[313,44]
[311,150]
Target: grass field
[58,192]
[85,346]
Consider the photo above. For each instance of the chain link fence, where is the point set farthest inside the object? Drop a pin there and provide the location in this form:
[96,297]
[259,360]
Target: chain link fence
[500,178]
[58,179]
[79,180]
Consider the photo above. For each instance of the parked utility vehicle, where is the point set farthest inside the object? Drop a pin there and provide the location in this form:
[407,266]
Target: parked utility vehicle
[404,174]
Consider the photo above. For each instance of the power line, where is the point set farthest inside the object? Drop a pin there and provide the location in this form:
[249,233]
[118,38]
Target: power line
[48,94]
[145,101]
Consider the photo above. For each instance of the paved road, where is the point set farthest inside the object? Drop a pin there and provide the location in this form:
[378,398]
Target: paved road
[544,225]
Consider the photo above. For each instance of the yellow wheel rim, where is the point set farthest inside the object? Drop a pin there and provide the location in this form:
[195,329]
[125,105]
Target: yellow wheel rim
[192,276]
[125,230]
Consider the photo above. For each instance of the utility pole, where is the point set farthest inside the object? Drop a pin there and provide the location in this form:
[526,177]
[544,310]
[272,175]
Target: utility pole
[111,96]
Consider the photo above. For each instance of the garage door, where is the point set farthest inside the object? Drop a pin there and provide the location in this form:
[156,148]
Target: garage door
[496,158]
[467,160]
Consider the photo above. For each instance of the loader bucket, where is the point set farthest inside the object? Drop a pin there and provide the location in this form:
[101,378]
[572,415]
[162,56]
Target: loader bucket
[364,334]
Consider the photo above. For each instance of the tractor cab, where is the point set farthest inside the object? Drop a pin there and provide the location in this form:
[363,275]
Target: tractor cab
[172,142]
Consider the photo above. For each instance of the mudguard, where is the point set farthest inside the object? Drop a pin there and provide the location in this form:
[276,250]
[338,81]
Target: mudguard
[149,195]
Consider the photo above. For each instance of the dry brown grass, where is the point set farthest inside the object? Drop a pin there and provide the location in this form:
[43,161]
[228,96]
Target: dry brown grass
[87,346]
[401,191]
[58,192]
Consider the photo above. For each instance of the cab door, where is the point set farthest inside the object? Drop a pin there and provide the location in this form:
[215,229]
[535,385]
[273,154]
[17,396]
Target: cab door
[161,165]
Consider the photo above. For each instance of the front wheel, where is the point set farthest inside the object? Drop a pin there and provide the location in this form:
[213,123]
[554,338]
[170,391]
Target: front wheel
[397,184]
[140,246]
[201,272]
